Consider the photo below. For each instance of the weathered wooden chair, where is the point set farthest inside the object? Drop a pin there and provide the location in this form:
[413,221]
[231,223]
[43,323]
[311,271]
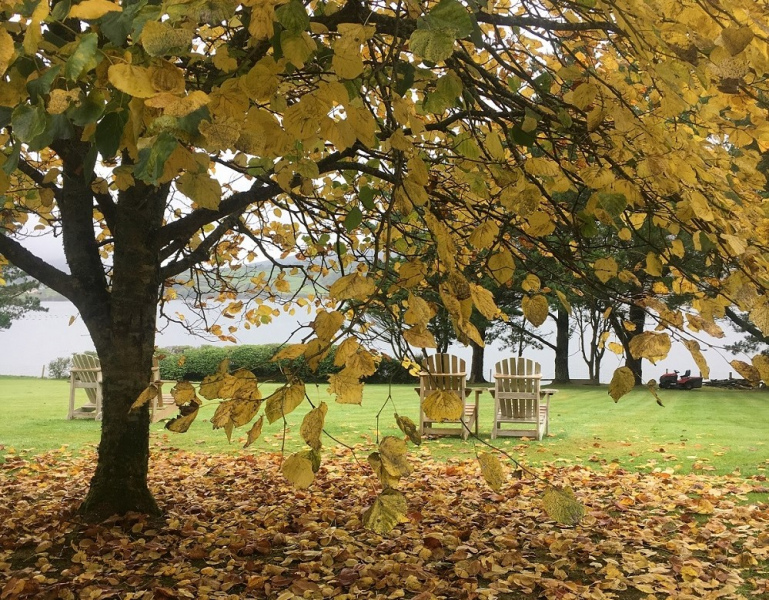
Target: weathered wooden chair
[86,374]
[518,399]
[446,372]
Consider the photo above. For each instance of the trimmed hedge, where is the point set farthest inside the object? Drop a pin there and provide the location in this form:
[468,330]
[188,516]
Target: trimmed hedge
[186,362]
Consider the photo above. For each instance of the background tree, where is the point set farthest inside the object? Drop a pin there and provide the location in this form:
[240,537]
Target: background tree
[385,145]
[16,295]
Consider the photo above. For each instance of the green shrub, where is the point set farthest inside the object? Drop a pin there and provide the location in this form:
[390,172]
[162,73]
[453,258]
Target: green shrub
[195,363]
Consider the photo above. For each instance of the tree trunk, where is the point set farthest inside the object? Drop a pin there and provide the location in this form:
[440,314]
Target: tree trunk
[125,350]
[479,352]
[637,316]
[562,346]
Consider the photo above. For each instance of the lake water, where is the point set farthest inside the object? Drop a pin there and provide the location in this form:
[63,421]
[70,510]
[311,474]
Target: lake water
[38,338]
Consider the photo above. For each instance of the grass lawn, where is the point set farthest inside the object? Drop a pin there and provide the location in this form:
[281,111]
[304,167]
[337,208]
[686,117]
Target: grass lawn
[707,430]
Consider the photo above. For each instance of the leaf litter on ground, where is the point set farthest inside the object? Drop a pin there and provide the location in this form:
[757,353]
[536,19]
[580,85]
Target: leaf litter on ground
[235,528]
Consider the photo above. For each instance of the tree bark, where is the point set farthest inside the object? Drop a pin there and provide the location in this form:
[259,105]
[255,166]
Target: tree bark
[637,316]
[479,353]
[562,346]
[125,349]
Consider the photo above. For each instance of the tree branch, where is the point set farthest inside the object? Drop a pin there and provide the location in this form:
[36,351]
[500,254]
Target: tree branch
[36,267]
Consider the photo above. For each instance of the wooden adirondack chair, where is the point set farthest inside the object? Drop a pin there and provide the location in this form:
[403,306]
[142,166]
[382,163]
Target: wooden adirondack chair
[86,374]
[518,399]
[446,372]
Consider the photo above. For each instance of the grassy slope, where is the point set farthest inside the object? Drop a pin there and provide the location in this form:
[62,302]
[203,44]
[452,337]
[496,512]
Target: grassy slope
[711,430]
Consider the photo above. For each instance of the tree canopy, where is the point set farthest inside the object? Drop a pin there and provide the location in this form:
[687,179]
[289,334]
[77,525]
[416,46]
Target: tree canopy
[15,298]
[388,147]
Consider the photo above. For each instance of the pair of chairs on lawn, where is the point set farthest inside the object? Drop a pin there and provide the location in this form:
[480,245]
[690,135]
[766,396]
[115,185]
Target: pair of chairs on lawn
[518,401]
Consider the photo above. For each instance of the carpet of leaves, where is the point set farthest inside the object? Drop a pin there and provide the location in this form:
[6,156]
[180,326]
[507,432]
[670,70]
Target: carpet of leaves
[233,528]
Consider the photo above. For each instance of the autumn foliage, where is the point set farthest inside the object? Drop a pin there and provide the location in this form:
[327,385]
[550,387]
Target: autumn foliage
[235,529]
[395,158]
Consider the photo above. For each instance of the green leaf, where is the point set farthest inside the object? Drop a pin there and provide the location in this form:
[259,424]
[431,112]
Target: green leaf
[293,16]
[523,138]
[109,131]
[42,85]
[28,122]
[408,427]
[153,159]
[434,45]
[451,14]
[366,197]
[353,219]
[90,110]
[447,90]
[58,127]
[83,58]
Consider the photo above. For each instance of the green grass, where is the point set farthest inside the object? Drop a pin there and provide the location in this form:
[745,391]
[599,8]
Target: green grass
[707,430]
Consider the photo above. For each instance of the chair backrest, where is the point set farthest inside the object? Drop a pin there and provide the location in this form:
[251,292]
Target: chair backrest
[86,368]
[516,387]
[444,372]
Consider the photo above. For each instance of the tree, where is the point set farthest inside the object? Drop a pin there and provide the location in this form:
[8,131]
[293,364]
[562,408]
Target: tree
[15,297]
[386,145]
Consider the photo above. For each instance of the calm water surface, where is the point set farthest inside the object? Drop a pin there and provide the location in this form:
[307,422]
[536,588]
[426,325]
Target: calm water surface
[32,342]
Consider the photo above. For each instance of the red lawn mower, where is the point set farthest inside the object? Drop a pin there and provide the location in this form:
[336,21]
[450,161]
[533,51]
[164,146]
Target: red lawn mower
[671,381]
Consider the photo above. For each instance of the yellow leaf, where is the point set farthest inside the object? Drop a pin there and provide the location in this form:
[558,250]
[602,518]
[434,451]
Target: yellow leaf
[535,309]
[316,351]
[150,392]
[492,470]
[254,432]
[747,371]
[182,423]
[561,506]
[7,50]
[532,283]
[411,273]
[408,427]
[223,416]
[388,510]
[261,82]
[443,405]
[650,345]
[483,300]
[392,452]
[622,382]
[384,477]
[419,337]
[243,410]
[353,286]
[205,191]
[223,61]
[501,266]
[605,269]
[616,348]
[210,386]
[134,81]
[297,468]
[761,364]
[760,317]
[694,349]
[347,61]
[184,393]
[159,38]
[346,386]
[290,352]
[312,426]
[283,401]
[181,107]
[484,235]
[90,10]
[736,39]
[540,224]
[653,265]
[419,311]
[326,324]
